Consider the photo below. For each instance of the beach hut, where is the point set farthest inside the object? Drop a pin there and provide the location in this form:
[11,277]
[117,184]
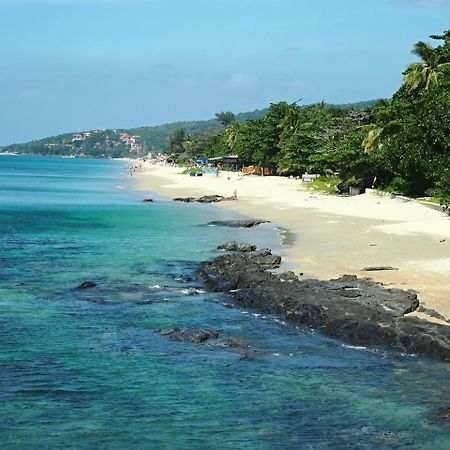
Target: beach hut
[229,162]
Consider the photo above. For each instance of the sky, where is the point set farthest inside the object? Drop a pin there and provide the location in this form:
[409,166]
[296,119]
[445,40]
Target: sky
[72,65]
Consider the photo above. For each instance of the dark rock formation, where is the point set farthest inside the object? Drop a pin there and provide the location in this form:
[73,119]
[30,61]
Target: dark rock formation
[378,268]
[432,313]
[233,246]
[211,199]
[202,335]
[204,199]
[193,335]
[185,199]
[246,223]
[357,310]
[86,285]
[444,414]
[148,200]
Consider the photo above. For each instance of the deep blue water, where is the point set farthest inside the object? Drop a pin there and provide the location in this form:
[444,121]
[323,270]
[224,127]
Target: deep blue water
[88,369]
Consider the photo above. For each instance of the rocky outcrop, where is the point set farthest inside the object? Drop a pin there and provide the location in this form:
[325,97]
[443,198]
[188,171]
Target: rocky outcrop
[378,268]
[148,200]
[185,199]
[193,335]
[202,335]
[86,285]
[214,199]
[204,199]
[246,223]
[358,310]
[444,414]
[233,246]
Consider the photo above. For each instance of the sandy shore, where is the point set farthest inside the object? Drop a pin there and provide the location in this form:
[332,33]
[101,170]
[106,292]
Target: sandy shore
[334,235]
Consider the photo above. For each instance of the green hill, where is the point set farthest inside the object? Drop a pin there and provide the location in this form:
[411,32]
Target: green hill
[113,143]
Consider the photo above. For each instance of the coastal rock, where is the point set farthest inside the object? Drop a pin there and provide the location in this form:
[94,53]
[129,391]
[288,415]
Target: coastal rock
[211,199]
[432,313]
[357,310]
[378,268]
[193,335]
[86,285]
[288,276]
[233,246]
[444,414]
[148,200]
[204,199]
[201,335]
[246,223]
[185,199]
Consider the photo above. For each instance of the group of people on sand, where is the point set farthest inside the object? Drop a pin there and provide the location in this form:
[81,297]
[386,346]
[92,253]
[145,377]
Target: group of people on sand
[133,168]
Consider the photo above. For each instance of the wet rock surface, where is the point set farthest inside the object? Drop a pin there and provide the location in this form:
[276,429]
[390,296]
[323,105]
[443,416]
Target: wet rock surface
[246,223]
[86,285]
[444,414]
[358,310]
[201,335]
[233,246]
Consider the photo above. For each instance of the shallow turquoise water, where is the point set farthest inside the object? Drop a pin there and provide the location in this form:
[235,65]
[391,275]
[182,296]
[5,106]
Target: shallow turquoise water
[88,370]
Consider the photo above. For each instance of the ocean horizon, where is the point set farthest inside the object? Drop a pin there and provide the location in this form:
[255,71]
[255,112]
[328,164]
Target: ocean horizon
[89,368]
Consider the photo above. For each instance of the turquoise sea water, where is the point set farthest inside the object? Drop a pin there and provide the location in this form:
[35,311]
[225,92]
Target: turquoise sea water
[88,370]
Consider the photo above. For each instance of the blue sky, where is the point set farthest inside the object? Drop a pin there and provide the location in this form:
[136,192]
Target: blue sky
[68,65]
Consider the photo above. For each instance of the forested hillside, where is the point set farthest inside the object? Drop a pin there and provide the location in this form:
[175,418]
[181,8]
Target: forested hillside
[108,143]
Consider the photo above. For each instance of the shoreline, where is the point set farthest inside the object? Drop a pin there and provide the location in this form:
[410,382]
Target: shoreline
[333,236]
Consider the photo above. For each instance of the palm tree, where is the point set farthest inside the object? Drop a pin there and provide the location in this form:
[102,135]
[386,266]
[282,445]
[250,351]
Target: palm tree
[425,74]
[373,140]
[232,133]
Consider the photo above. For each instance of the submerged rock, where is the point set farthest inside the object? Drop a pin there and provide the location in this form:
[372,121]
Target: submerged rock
[86,285]
[357,310]
[201,335]
[148,200]
[246,223]
[193,335]
[444,414]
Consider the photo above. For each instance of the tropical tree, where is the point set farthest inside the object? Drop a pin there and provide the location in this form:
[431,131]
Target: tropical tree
[435,61]
[225,118]
[232,133]
[176,141]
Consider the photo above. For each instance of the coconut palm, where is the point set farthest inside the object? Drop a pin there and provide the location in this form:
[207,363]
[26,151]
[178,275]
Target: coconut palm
[232,133]
[373,140]
[425,74]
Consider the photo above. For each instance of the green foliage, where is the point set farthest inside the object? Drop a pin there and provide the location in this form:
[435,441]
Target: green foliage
[225,118]
[416,140]
[324,184]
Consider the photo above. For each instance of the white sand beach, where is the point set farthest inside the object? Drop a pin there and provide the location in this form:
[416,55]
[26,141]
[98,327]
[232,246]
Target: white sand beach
[334,235]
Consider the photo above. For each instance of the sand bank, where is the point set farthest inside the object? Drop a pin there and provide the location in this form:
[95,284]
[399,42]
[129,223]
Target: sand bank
[334,235]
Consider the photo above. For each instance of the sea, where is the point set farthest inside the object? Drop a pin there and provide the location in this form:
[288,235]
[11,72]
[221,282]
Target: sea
[89,369]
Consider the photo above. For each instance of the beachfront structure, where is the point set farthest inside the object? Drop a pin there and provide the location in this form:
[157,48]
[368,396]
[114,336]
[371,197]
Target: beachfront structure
[230,162]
